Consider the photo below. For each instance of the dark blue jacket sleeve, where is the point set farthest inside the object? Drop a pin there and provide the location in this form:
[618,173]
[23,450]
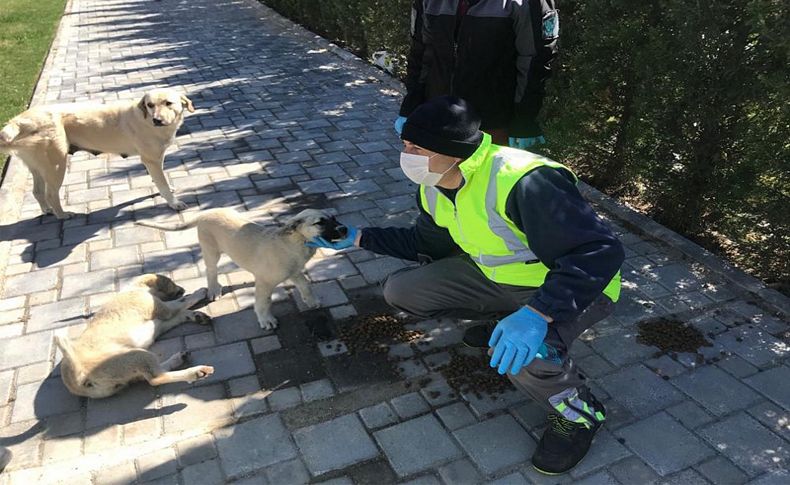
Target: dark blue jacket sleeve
[568,237]
[415,243]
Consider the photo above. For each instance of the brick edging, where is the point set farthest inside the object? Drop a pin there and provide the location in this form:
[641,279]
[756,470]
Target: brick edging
[13,183]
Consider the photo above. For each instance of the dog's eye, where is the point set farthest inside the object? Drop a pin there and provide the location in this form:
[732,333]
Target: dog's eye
[168,103]
[88,384]
[150,105]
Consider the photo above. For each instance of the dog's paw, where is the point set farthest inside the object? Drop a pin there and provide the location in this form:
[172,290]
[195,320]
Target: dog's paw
[212,294]
[201,318]
[203,371]
[177,205]
[66,215]
[267,322]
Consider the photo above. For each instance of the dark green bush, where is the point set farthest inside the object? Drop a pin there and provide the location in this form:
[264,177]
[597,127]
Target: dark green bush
[680,108]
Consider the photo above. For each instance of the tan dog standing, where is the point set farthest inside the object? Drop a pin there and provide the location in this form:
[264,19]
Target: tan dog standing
[111,352]
[272,255]
[43,137]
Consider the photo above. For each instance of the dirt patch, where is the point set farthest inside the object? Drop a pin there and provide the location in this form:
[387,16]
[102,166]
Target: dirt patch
[375,333]
[671,336]
[472,374]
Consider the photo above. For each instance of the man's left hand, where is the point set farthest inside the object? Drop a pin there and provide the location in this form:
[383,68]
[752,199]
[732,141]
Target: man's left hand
[524,143]
[346,242]
[516,340]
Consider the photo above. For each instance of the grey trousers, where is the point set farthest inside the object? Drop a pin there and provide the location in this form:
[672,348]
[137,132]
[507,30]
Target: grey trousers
[455,287]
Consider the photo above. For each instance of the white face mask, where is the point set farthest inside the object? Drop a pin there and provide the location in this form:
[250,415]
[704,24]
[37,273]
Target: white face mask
[416,168]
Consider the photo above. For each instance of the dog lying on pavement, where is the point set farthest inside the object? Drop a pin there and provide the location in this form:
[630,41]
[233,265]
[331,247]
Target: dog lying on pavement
[272,255]
[111,352]
[43,137]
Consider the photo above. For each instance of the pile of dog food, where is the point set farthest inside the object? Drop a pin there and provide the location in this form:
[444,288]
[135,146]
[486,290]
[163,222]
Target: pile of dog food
[472,374]
[671,336]
[375,333]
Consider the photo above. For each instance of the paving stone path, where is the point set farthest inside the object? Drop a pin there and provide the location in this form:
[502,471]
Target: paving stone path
[285,122]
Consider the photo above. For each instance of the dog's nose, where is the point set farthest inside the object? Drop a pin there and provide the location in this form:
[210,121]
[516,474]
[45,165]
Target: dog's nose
[158,122]
[342,230]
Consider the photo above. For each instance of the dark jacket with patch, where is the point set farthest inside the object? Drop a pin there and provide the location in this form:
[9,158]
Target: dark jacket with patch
[497,57]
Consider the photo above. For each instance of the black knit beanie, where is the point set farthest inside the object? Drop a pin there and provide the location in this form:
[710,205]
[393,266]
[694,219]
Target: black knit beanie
[445,125]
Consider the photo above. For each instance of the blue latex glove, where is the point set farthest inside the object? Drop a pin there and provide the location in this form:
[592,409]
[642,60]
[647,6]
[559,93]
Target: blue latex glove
[347,242]
[524,143]
[516,340]
[399,122]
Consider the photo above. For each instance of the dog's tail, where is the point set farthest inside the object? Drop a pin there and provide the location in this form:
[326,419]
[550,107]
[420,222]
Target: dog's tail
[15,130]
[171,227]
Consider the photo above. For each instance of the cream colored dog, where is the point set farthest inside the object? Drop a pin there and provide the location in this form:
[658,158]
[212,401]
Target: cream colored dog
[111,352]
[272,255]
[43,137]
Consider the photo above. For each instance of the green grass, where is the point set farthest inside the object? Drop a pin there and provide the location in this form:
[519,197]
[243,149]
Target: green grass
[26,31]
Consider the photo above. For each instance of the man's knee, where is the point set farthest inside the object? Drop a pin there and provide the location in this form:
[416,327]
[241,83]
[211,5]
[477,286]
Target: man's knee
[401,291]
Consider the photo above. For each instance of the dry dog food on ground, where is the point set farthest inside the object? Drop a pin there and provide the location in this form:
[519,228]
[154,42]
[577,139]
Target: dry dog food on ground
[671,336]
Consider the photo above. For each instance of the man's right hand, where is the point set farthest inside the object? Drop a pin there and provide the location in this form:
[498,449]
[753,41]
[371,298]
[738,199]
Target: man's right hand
[399,122]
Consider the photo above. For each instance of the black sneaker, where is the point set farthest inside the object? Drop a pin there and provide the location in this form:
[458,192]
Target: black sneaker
[479,335]
[565,443]
[5,458]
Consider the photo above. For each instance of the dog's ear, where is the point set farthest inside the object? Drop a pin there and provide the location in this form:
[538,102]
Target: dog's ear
[187,103]
[142,107]
[64,345]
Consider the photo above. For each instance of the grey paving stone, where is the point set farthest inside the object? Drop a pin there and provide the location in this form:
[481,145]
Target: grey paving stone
[88,283]
[56,314]
[514,478]
[416,445]
[331,268]
[773,383]
[484,405]
[157,464]
[273,445]
[720,470]
[633,470]
[116,474]
[533,416]
[737,366]
[496,444]
[205,473]
[196,450]
[378,269]
[640,391]
[199,407]
[285,398]
[600,478]
[241,325]
[43,399]
[378,415]
[717,391]
[32,282]
[664,444]
[334,444]
[774,477]
[604,451]
[229,360]
[410,405]
[265,344]
[773,417]
[113,258]
[690,414]
[438,392]
[665,366]
[455,416]
[748,444]
[124,407]
[621,348]
[460,472]
[288,472]
[686,477]
[756,346]
[243,385]
[25,350]
[594,366]
[320,389]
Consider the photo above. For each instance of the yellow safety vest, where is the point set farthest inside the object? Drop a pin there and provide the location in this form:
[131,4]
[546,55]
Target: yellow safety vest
[478,222]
